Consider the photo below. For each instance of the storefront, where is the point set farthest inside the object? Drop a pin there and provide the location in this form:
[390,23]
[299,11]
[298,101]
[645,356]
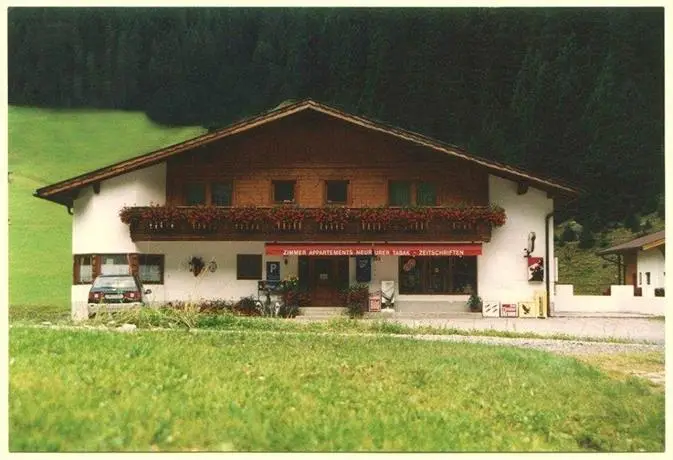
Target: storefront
[415,269]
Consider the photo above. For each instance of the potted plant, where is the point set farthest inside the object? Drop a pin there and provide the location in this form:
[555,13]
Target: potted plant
[475,303]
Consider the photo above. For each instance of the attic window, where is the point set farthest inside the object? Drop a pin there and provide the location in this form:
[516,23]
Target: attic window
[220,193]
[426,194]
[195,194]
[283,191]
[337,191]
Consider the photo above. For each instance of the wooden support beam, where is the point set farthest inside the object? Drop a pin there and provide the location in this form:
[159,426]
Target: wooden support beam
[96,188]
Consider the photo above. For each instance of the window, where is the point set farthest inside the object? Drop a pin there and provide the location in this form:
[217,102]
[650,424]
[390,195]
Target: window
[196,194]
[151,268]
[148,267]
[640,278]
[399,193]
[114,264]
[283,191]
[426,194]
[83,269]
[337,192]
[220,193]
[647,278]
[248,267]
[438,275]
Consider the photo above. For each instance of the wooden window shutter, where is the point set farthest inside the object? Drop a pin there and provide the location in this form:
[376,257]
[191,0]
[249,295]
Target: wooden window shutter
[76,260]
[134,262]
[95,266]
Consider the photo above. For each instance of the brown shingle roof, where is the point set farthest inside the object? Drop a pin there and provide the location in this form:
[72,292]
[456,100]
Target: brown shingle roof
[64,191]
[637,243]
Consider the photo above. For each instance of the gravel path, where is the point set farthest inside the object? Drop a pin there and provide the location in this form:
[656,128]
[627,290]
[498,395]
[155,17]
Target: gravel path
[565,347]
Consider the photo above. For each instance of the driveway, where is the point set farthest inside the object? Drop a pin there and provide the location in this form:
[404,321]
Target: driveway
[636,329]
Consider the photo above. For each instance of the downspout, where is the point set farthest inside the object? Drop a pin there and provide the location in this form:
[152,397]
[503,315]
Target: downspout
[547,278]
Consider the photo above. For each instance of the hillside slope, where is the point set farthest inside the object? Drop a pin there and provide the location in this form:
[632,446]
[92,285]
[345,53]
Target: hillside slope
[46,146]
[587,272]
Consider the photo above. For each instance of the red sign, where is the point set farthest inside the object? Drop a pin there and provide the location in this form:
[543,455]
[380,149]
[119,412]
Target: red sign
[374,303]
[508,310]
[374,249]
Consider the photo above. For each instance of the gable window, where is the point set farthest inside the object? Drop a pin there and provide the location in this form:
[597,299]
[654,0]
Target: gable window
[249,267]
[195,194]
[426,194]
[337,192]
[220,193]
[83,269]
[283,191]
[151,268]
[399,193]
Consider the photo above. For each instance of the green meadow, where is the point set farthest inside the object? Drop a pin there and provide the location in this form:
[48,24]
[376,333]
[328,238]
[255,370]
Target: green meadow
[74,391]
[46,146]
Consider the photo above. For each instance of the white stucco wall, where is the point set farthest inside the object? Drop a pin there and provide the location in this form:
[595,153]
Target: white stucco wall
[502,268]
[622,301]
[96,227]
[652,261]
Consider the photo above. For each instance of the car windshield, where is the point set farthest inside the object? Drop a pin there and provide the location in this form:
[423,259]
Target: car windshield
[115,282]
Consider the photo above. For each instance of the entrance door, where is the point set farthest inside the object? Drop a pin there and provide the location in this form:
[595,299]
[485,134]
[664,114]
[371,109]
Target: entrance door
[327,276]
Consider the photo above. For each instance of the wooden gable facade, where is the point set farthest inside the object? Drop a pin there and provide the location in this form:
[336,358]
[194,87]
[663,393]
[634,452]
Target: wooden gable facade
[311,149]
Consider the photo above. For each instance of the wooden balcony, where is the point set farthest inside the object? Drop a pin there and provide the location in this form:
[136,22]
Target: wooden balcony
[177,224]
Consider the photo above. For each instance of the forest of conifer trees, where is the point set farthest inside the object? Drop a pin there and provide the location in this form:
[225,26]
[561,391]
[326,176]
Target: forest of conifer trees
[572,93]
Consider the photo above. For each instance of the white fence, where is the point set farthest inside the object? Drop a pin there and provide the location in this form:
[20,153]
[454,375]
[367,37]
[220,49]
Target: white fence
[621,300]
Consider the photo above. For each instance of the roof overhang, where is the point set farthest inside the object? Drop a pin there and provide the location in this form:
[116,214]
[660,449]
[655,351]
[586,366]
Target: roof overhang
[64,192]
[653,244]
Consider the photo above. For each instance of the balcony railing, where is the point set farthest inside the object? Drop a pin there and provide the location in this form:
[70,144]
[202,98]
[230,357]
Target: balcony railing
[291,223]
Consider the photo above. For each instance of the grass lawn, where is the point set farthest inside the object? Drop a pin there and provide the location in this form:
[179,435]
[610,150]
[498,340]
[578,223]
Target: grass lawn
[46,146]
[176,391]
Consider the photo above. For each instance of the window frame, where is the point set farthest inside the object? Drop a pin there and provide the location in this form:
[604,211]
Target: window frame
[418,189]
[76,269]
[206,190]
[346,202]
[132,263]
[210,188]
[248,277]
[284,181]
[390,190]
[162,267]
[426,264]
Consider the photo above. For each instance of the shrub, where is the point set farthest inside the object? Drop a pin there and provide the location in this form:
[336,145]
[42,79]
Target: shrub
[355,298]
[247,306]
[659,292]
[587,239]
[568,234]
[661,207]
[648,225]
[216,306]
[475,303]
[632,222]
